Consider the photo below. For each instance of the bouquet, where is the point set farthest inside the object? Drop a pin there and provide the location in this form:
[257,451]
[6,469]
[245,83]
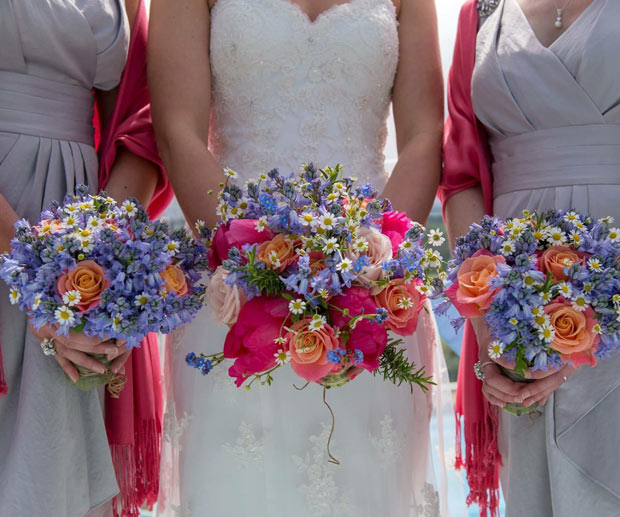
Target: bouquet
[92,266]
[547,286]
[313,273]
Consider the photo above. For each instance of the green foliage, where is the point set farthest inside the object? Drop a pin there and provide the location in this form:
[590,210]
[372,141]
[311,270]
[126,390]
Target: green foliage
[394,366]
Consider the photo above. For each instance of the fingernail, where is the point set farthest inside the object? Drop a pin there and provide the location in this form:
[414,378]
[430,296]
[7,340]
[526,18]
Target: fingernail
[74,377]
[101,369]
[525,395]
[112,351]
[115,370]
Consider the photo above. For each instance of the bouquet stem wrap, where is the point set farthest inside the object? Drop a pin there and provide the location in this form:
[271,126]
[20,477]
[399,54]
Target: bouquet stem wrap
[90,379]
[516,408]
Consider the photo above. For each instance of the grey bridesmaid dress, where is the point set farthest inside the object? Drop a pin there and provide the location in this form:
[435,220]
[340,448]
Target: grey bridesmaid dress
[54,455]
[553,117]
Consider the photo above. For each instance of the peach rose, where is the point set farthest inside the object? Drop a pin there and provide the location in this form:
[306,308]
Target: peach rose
[379,251]
[556,258]
[225,301]
[48,226]
[403,302]
[87,278]
[174,280]
[575,338]
[471,294]
[278,253]
[309,349]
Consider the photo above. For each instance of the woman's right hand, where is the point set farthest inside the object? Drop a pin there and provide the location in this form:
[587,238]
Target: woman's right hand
[77,349]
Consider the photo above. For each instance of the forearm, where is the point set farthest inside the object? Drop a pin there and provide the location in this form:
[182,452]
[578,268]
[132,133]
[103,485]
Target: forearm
[194,173]
[132,176]
[414,181]
[461,210]
[8,218]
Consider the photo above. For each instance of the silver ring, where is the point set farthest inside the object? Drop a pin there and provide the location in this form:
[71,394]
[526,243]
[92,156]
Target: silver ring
[478,370]
[48,346]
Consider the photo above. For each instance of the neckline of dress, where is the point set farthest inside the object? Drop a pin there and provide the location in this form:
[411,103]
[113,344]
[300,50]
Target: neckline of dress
[323,14]
[561,36]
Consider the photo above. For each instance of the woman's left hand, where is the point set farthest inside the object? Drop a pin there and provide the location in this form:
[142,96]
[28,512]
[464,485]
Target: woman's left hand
[541,389]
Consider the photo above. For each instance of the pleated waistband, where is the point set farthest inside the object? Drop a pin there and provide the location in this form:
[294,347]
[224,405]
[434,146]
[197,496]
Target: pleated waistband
[35,106]
[572,155]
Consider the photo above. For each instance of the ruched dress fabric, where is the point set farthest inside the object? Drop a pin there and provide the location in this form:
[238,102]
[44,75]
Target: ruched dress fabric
[553,118]
[54,454]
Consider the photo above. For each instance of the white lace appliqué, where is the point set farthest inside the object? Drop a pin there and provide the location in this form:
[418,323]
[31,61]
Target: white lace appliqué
[248,449]
[286,91]
[173,428]
[322,495]
[430,506]
[388,445]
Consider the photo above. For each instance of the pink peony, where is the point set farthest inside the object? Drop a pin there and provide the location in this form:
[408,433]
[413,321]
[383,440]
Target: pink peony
[379,251]
[395,225]
[251,340]
[367,336]
[234,234]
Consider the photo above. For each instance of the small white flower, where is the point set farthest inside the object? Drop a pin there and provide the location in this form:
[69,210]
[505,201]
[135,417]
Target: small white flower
[129,207]
[14,296]
[172,247]
[69,222]
[317,323]
[546,333]
[261,224]
[199,225]
[513,321]
[423,288]
[360,244]
[406,245]
[330,246]
[230,173]
[508,247]
[575,237]
[614,234]
[595,265]
[597,328]
[607,220]
[280,340]
[327,221]
[556,236]
[571,217]
[540,320]
[405,303]
[546,296]
[93,223]
[308,219]
[565,289]
[64,315]
[86,205]
[496,349]
[37,301]
[324,293]
[436,238]
[273,259]
[70,208]
[282,357]
[236,212]
[297,306]
[580,302]
[433,259]
[141,300]
[262,176]
[86,245]
[616,299]
[71,298]
[117,319]
[345,265]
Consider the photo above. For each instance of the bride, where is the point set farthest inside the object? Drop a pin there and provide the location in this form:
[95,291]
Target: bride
[275,83]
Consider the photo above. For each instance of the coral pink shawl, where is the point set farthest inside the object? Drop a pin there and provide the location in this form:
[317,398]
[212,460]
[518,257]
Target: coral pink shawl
[134,421]
[467,165]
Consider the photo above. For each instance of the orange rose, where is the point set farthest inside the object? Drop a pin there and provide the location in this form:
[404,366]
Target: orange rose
[575,338]
[403,302]
[277,253]
[556,258]
[308,349]
[174,280]
[471,294]
[48,226]
[88,279]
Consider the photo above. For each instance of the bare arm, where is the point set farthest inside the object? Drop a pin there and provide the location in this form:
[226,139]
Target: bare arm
[131,176]
[7,220]
[418,111]
[461,210]
[180,86]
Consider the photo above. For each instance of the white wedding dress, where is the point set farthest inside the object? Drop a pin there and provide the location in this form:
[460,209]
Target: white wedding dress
[286,91]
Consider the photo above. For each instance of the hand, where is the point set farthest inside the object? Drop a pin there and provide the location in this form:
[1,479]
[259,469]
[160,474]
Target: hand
[541,389]
[78,348]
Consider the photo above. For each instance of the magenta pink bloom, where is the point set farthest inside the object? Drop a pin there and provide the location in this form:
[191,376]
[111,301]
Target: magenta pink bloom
[395,225]
[234,234]
[251,340]
[367,336]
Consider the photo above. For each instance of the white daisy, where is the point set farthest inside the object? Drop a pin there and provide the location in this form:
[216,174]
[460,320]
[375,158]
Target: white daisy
[273,259]
[360,244]
[141,300]
[546,333]
[69,222]
[327,221]
[37,301]
[14,296]
[308,219]
[64,315]
[580,302]
[330,246]
[230,173]
[282,357]
[345,265]
[508,247]
[614,234]
[129,207]
[496,349]
[565,289]
[405,303]
[597,328]
[540,320]
[261,224]
[406,245]
[280,340]
[93,223]
[117,319]
[317,323]
[297,306]
[556,236]
[435,238]
[172,247]
[595,265]
[571,217]
[71,298]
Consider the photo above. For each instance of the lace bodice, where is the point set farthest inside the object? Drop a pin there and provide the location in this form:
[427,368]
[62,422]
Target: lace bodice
[287,90]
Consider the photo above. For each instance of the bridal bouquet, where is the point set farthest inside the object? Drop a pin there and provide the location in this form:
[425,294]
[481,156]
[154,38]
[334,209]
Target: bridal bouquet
[547,285]
[313,273]
[90,265]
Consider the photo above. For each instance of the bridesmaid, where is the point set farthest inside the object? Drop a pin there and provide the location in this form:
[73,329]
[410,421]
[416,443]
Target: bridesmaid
[54,454]
[534,101]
